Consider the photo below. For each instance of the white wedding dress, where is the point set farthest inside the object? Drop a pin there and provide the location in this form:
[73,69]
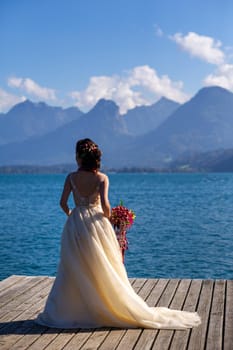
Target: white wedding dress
[92,289]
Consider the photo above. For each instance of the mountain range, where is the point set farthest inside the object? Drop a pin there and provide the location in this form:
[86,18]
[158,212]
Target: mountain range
[148,136]
[143,119]
[29,119]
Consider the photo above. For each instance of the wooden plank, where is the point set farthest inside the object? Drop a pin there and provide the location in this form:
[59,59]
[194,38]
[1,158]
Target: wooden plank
[181,338]
[113,339]
[213,300]
[78,340]
[160,295]
[146,288]
[18,289]
[130,337]
[9,281]
[14,287]
[32,333]
[176,301]
[62,339]
[11,338]
[169,292]
[228,331]
[146,339]
[22,300]
[138,284]
[215,331]
[27,331]
[36,303]
[21,324]
[198,335]
[158,291]
[46,338]
[94,341]
[13,309]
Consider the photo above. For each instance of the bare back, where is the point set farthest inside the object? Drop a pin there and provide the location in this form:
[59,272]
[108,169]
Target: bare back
[88,188]
[85,187]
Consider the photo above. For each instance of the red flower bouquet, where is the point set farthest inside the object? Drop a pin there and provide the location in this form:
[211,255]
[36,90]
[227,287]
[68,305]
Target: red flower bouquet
[122,219]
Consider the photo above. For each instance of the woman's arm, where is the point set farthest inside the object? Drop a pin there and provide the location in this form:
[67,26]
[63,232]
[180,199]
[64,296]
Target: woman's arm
[65,195]
[104,186]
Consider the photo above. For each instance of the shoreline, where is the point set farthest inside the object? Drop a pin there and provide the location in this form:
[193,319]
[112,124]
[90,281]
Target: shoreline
[66,168]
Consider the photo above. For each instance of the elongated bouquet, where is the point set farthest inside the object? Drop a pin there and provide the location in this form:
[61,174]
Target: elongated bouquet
[122,219]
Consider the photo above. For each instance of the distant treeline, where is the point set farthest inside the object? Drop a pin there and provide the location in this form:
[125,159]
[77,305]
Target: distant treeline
[193,162]
[66,168]
[37,169]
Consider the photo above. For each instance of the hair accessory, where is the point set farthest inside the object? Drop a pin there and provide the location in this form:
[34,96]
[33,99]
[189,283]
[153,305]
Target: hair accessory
[87,148]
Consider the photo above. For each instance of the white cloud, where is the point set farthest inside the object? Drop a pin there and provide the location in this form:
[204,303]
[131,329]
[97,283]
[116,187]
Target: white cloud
[203,47]
[32,88]
[158,31]
[222,77]
[130,90]
[8,100]
[209,50]
[148,78]
[15,82]
[115,88]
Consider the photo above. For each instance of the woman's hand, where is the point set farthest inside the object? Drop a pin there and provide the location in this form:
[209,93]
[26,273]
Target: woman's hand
[65,195]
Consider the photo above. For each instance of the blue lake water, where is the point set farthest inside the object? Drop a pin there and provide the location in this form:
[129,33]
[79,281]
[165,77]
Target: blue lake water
[183,228]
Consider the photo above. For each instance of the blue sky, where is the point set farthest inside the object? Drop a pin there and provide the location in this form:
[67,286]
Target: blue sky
[74,52]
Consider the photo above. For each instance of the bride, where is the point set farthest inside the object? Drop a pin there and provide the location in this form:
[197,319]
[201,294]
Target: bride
[92,288]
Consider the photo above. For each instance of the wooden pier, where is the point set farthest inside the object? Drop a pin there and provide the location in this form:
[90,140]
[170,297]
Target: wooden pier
[23,297]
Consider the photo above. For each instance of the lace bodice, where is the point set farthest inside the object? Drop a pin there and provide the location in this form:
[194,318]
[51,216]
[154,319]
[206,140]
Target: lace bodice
[92,200]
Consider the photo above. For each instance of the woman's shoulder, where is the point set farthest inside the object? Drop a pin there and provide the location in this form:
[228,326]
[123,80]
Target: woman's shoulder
[70,175]
[73,173]
[102,177]
[69,179]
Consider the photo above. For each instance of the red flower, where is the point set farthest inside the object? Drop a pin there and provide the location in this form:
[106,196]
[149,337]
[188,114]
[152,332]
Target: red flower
[122,219]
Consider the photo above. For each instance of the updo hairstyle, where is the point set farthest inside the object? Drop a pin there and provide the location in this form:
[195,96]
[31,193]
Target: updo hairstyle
[88,151]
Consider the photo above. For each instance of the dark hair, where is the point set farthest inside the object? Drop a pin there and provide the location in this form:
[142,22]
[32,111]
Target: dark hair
[90,154]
